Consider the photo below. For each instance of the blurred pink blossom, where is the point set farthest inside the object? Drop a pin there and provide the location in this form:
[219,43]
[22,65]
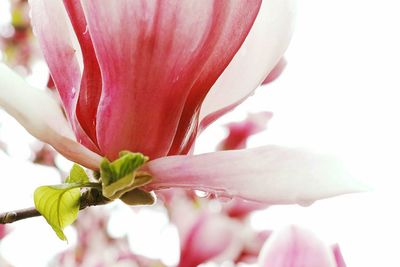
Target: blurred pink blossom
[296,247]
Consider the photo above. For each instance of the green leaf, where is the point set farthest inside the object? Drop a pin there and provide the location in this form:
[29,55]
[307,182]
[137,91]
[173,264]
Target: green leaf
[125,184]
[59,205]
[77,175]
[120,176]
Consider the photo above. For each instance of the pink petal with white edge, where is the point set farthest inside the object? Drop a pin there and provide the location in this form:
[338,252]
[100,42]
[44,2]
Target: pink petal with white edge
[259,54]
[42,116]
[149,58]
[295,247]
[269,174]
[62,53]
[233,28]
[276,72]
[90,86]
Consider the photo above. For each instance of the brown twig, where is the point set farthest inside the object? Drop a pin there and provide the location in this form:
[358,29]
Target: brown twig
[91,197]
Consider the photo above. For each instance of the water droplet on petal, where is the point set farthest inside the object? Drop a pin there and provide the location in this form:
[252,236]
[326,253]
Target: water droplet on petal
[202,194]
[305,202]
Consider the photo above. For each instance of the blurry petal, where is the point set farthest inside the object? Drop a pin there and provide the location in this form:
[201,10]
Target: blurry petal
[252,246]
[239,132]
[338,256]
[210,236]
[264,46]
[240,209]
[276,72]
[3,231]
[41,115]
[148,73]
[269,174]
[295,247]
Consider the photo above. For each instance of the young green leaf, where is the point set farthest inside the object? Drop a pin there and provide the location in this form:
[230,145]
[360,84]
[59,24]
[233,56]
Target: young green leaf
[125,184]
[120,176]
[77,175]
[59,205]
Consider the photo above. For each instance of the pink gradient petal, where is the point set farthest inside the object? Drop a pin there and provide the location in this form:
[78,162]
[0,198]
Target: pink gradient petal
[276,72]
[60,48]
[148,72]
[240,209]
[90,87]
[264,46]
[210,236]
[233,28]
[42,116]
[269,174]
[295,247]
[338,256]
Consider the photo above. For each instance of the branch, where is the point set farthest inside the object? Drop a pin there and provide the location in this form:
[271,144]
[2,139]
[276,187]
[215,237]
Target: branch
[91,197]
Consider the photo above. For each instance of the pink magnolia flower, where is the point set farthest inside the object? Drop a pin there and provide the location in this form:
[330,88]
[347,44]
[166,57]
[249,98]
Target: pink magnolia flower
[148,76]
[297,247]
[204,235]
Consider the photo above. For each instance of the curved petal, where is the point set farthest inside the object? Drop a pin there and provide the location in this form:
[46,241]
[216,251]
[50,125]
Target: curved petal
[148,71]
[233,31]
[295,247]
[269,174]
[276,71]
[90,87]
[61,51]
[41,115]
[264,46]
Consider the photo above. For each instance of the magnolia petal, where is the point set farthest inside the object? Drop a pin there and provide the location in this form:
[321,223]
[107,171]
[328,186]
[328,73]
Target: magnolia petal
[42,116]
[264,46]
[240,132]
[295,247]
[240,209]
[269,174]
[90,87]
[211,236]
[147,69]
[233,28]
[276,72]
[338,256]
[61,51]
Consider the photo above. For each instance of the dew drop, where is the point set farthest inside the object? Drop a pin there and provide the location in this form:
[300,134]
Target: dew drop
[202,194]
[305,202]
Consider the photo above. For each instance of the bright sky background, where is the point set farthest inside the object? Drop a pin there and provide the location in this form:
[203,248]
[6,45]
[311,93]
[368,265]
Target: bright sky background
[339,94]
